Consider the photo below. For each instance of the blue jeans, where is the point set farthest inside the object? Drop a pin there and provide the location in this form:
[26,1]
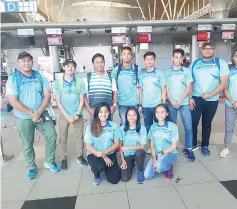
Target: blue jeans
[186,117]
[162,165]
[122,113]
[148,113]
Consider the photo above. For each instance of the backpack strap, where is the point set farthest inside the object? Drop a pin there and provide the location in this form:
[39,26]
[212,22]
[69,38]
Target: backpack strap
[118,72]
[39,77]
[88,76]
[110,76]
[217,62]
[136,73]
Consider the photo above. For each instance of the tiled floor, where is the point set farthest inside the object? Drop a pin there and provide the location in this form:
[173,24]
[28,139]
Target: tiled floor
[205,184]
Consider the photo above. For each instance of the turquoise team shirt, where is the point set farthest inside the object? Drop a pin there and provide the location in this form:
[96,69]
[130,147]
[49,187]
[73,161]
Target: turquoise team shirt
[232,85]
[177,82]
[70,99]
[132,138]
[106,140]
[31,93]
[163,136]
[127,86]
[151,83]
[206,77]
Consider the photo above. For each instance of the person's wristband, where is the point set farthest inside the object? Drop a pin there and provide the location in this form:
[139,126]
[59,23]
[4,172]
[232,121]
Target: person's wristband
[162,153]
[233,103]
[140,105]
[104,156]
[114,104]
[78,115]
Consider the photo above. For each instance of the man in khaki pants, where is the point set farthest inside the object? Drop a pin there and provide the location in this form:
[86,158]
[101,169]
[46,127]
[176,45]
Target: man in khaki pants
[69,92]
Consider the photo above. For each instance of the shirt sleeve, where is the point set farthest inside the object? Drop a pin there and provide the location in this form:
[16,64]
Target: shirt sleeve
[122,133]
[175,133]
[189,78]
[85,85]
[162,79]
[11,88]
[150,135]
[114,72]
[224,68]
[55,89]
[143,135]
[114,84]
[116,132]
[88,135]
[45,83]
[140,78]
[82,88]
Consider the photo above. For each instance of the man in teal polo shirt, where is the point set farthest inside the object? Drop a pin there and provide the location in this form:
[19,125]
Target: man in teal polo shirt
[29,94]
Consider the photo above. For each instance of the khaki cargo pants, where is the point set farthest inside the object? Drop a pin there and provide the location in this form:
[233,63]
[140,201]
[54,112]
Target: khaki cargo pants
[63,135]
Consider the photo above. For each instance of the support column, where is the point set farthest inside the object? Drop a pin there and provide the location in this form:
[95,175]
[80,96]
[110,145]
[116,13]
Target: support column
[194,48]
[53,52]
[221,8]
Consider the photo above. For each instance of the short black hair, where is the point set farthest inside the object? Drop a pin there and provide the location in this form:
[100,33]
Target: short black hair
[126,48]
[149,54]
[235,50]
[181,51]
[98,55]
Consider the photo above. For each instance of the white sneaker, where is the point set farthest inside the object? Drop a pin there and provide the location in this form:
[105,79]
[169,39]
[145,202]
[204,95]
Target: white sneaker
[224,152]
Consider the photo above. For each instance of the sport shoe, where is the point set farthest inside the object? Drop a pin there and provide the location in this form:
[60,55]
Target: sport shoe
[189,154]
[63,164]
[52,166]
[169,174]
[32,174]
[224,152]
[205,151]
[195,148]
[96,181]
[140,177]
[82,161]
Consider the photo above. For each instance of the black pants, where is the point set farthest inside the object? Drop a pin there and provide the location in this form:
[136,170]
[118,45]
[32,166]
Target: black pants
[139,157]
[98,165]
[206,109]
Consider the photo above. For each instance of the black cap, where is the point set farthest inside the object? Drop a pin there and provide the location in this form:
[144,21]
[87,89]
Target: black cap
[208,42]
[24,54]
[66,62]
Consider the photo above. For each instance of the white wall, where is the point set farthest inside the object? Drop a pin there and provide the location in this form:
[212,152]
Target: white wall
[163,55]
[13,53]
[83,56]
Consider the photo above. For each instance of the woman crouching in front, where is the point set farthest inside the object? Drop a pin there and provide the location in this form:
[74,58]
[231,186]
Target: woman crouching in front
[102,139]
[164,136]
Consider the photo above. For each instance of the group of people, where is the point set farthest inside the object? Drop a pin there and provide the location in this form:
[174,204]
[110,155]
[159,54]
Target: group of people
[150,93]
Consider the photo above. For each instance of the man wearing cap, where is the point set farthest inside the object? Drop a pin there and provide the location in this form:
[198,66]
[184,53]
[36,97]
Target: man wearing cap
[69,92]
[210,77]
[29,94]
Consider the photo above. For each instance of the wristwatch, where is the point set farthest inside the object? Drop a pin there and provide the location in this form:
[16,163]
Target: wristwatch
[78,115]
[104,156]
[162,153]
[233,103]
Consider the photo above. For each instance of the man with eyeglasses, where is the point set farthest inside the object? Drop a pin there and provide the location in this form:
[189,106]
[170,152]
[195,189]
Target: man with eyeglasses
[210,77]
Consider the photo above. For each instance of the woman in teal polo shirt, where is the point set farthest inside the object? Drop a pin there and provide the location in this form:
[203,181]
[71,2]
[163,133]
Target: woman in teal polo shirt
[102,139]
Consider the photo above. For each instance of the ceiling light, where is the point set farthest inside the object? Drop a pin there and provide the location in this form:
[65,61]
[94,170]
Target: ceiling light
[103,4]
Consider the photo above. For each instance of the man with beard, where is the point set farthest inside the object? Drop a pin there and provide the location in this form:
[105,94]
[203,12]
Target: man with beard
[210,77]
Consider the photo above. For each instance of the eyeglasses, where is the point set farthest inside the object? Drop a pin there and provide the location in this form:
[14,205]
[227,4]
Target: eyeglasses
[208,49]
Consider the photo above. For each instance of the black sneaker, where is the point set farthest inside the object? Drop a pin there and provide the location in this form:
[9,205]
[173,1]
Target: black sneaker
[63,164]
[82,161]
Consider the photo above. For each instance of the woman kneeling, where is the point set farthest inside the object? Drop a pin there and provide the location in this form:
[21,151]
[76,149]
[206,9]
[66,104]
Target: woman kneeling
[133,142]
[163,135]
[102,139]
